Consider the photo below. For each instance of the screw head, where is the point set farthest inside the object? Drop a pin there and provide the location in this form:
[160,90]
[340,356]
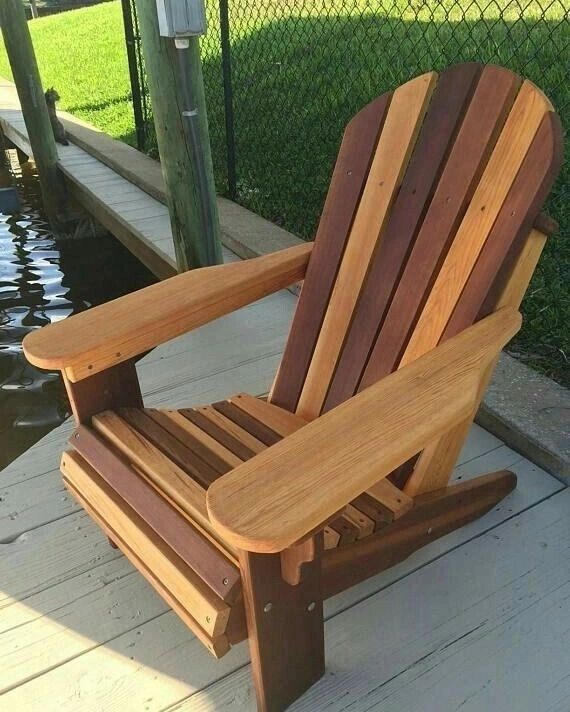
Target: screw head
[429,531]
[267,607]
[225,581]
[311,607]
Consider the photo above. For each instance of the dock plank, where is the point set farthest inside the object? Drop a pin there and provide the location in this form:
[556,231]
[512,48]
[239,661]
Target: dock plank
[497,640]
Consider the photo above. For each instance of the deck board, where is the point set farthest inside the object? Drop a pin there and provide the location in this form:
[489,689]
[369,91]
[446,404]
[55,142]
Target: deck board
[491,633]
[144,227]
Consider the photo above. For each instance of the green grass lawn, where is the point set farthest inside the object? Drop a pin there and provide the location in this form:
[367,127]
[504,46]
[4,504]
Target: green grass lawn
[301,71]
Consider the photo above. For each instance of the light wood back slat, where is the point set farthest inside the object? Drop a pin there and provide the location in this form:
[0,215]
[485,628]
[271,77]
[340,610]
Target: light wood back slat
[454,88]
[435,464]
[490,104]
[348,179]
[403,122]
[512,146]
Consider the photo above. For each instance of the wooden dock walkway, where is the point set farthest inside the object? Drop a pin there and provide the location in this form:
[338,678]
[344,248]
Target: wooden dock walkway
[81,631]
[137,219]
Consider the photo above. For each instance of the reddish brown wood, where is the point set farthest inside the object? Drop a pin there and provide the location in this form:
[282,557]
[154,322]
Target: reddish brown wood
[170,446]
[187,439]
[546,224]
[219,434]
[433,515]
[204,558]
[285,628]
[505,242]
[346,530]
[446,109]
[485,116]
[253,426]
[114,388]
[347,183]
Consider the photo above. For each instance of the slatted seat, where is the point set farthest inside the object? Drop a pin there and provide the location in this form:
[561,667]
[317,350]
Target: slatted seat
[205,443]
[428,239]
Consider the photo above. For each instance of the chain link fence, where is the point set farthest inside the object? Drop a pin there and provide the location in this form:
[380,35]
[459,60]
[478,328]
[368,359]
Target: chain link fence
[283,78]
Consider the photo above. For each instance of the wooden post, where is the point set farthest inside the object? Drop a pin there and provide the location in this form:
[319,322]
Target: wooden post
[176,85]
[34,9]
[24,66]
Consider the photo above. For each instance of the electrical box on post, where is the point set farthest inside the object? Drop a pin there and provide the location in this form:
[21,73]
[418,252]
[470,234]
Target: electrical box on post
[181,18]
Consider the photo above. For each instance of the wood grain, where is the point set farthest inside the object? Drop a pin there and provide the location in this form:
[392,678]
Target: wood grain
[395,145]
[526,196]
[207,441]
[272,501]
[347,182]
[445,112]
[434,515]
[210,611]
[512,146]
[213,567]
[281,421]
[114,332]
[484,118]
[435,464]
[286,629]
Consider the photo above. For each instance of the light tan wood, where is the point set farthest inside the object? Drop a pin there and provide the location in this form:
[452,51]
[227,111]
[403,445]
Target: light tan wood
[292,560]
[159,470]
[111,333]
[391,497]
[397,140]
[232,428]
[210,612]
[519,280]
[276,498]
[218,646]
[279,420]
[436,462]
[514,141]
[211,443]
[331,538]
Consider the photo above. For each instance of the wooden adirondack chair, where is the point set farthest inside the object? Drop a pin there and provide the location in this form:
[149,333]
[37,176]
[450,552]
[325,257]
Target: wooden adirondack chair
[247,514]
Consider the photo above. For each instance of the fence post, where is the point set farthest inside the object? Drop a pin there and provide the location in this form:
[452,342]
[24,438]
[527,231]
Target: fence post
[140,125]
[22,58]
[176,89]
[228,97]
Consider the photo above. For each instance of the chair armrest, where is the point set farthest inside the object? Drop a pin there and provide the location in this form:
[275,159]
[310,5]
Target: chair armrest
[278,497]
[114,332]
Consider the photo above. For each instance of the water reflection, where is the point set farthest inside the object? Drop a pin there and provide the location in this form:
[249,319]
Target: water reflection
[42,281]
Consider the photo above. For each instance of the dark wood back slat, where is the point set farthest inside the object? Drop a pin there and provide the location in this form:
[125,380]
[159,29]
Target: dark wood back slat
[440,125]
[484,119]
[347,183]
[510,231]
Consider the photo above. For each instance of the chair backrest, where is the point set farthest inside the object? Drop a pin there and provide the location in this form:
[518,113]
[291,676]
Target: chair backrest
[434,192]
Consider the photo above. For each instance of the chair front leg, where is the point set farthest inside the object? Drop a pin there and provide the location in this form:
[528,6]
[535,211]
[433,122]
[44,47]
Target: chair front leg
[285,627]
[116,387]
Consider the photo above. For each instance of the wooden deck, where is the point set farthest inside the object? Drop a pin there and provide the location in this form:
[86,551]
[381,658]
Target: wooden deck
[479,620]
[136,218]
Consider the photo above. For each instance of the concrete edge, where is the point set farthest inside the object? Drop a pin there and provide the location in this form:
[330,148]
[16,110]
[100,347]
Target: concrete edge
[525,409]
[531,414]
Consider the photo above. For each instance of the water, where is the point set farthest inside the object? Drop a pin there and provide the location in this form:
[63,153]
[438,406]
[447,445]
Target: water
[42,281]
